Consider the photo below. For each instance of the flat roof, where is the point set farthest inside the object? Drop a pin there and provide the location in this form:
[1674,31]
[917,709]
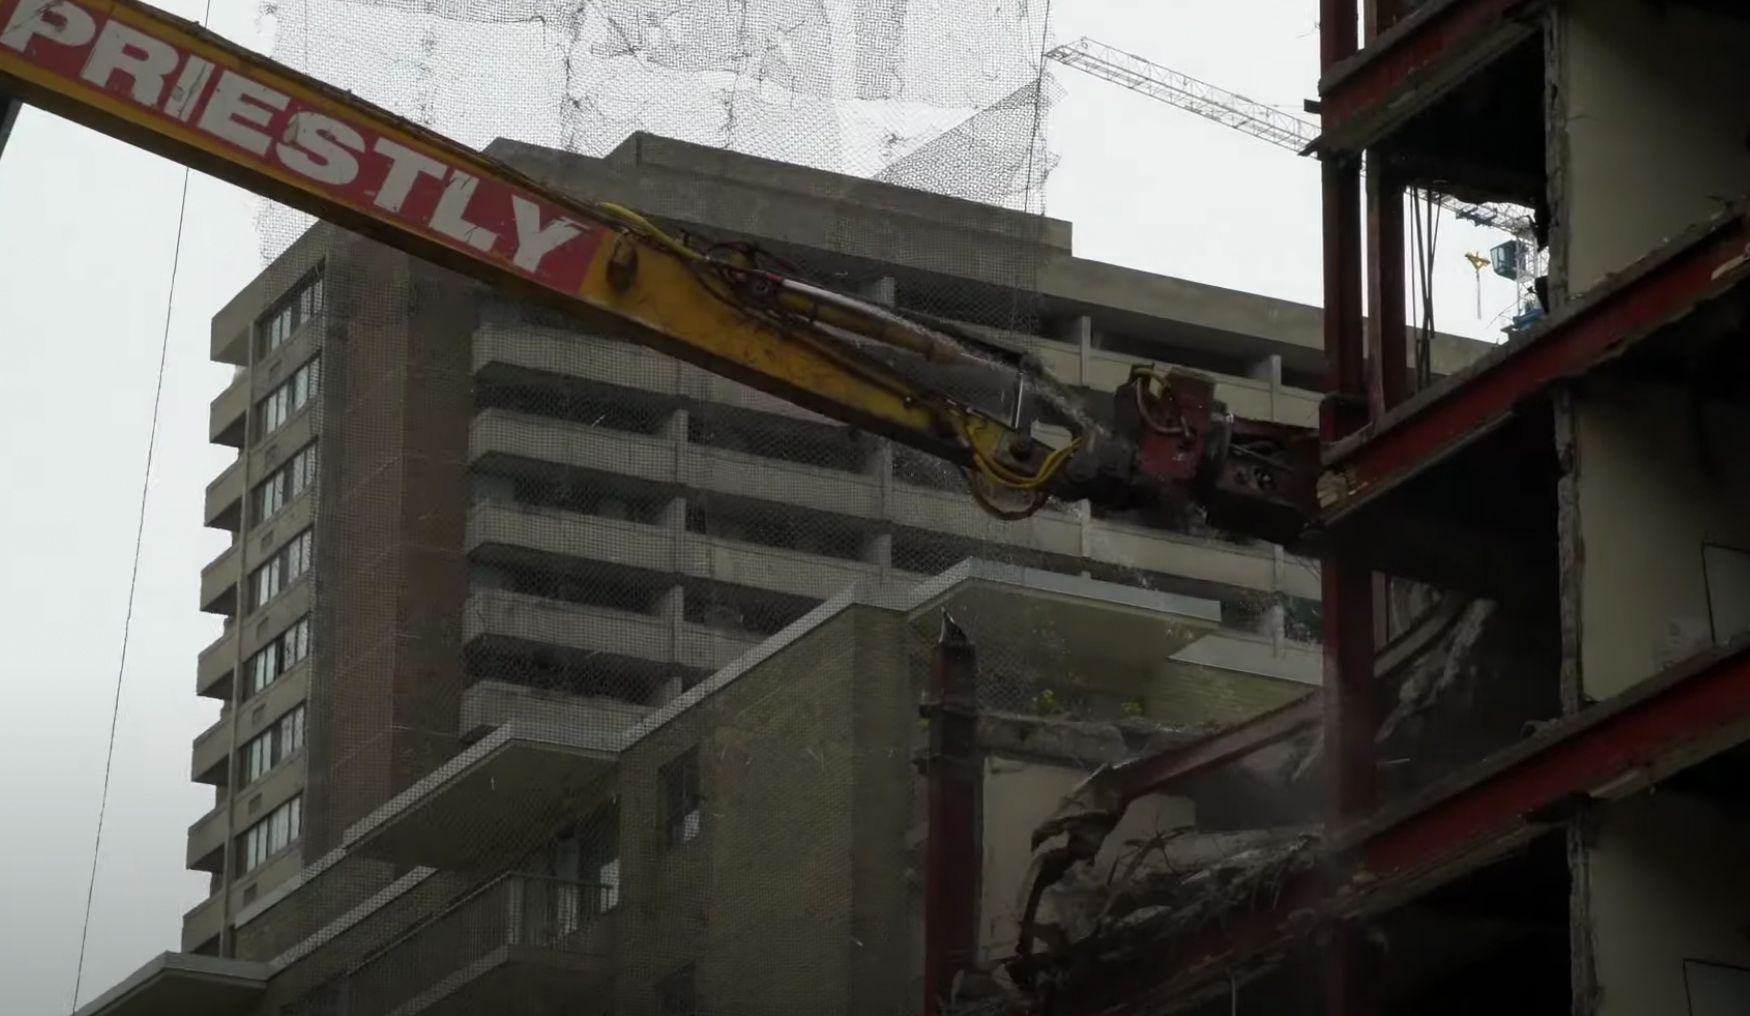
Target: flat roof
[183,984]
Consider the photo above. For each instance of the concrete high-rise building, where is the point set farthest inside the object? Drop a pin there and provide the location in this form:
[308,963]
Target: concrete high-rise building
[449,511]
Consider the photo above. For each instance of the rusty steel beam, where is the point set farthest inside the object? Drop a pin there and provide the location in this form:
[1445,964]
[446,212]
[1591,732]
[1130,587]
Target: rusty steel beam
[1412,64]
[952,852]
[1614,316]
[1614,749]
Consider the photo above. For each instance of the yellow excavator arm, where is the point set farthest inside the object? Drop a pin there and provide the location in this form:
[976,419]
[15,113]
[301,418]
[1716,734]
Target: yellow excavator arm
[172,88]
[175,89]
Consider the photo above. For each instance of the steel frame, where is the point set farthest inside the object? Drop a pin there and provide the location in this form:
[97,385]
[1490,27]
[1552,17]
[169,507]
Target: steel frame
[1670,722]
[1375,438]
[1611,319]
[1412,63]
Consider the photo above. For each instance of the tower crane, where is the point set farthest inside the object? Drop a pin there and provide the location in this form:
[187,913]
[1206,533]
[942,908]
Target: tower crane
[1512,260]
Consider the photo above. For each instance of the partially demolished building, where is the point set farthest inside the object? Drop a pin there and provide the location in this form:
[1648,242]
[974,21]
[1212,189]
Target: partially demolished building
[1530,797]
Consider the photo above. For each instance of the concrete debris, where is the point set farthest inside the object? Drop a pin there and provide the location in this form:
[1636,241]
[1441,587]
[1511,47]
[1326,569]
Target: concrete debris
[1171,885]
[1086,744]
[1445,669]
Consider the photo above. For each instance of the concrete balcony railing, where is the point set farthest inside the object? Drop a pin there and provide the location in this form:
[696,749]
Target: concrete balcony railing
[546,943]
[212,752]
[1283,659]
[202,924]
[492,704]
[498,433]
[533,619]
[217,665]
[228,416]
[219,582]
[206,841]
[661,549]
[554,351]
[223,508]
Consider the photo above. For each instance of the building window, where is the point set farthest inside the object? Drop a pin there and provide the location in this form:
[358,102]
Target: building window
[283,402]
[271,835]
[608,879]
[294,310]
[273,745]
[286,483]
[681,799]
[279,656]
[675,994]
[286,566]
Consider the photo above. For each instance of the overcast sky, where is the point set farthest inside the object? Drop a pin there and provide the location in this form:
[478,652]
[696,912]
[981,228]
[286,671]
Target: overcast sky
[87,231]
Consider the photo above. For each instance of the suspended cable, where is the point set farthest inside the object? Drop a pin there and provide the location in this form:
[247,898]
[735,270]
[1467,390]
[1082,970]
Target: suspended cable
[115,709]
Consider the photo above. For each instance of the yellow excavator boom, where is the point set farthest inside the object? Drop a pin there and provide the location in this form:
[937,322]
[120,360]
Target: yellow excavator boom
[171,87]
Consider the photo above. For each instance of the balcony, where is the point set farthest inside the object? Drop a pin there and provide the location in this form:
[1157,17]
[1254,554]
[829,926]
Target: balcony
[488,705]
[212,748]
[202,924]
[488,797]
[534,349]
[498,435]
[206,841]
[1284,660]
[224,500]
[658,549]
[519,617]
[217,665]
[543,942]
[227,420]
[219,582]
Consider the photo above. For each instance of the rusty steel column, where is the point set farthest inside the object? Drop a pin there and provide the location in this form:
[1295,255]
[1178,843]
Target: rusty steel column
[1345,407]
[1377,16]
[1349,699]
[951,860]
[1348,968]
[1387,351]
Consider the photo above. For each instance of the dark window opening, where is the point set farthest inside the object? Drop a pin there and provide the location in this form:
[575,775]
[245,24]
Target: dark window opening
[682,815]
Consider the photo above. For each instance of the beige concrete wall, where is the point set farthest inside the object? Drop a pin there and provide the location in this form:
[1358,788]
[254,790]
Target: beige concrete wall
[1648,504]
[793,898]
[1650,110]
[1017,797]
[1667,884]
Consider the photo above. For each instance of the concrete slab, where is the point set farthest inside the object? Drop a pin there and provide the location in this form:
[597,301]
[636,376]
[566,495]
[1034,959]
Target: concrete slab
[493,789]
[176,984]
